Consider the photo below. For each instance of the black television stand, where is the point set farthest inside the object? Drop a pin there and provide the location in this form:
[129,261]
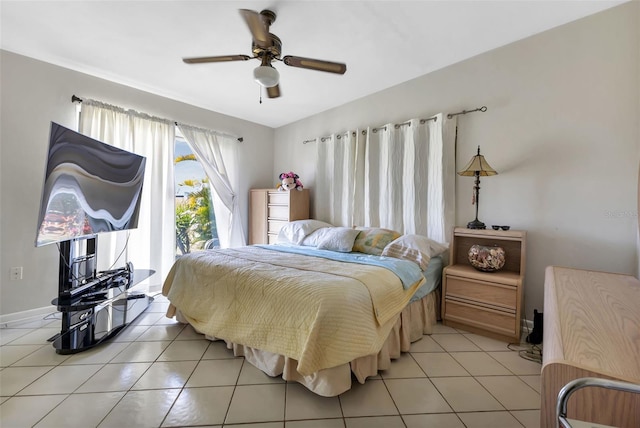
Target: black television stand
[94,306]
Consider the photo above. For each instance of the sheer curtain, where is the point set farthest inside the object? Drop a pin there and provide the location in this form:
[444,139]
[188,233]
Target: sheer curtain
[152,244]
[336,177]
[206,146]
[400,177]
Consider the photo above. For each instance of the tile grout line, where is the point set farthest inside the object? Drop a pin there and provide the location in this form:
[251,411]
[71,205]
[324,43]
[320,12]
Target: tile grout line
[393,400]
[164,418]
[436,387]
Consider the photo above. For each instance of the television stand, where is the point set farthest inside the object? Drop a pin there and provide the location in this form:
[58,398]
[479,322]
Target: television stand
[95,306]
[101,313]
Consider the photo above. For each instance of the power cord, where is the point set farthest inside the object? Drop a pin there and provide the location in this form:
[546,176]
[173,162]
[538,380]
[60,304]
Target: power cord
[159,293]
[52,316]
[531,352]
[126,244]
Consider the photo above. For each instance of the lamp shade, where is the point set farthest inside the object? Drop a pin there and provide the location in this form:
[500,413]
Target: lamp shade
[479,165]
[266,76]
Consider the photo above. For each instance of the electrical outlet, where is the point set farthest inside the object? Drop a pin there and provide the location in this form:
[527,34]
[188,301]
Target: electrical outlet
[16,273]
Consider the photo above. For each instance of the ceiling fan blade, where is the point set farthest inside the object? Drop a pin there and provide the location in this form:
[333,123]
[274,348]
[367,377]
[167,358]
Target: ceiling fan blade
[273,92]
[223,58]
[315,64]
[256,26]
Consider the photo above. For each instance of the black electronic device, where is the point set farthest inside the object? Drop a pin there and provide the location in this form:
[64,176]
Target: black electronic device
[535,337]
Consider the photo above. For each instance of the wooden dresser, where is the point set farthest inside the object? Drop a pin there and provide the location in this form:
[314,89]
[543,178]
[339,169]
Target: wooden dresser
[487,303]
[591,329]
[270,209]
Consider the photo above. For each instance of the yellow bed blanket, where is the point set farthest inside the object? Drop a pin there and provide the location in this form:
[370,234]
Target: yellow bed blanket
[320,312]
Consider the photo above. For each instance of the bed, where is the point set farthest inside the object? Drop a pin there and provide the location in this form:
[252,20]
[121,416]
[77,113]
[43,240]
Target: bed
[323,304]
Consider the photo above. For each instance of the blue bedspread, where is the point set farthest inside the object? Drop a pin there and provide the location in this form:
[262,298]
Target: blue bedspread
[433,273]
[408,272]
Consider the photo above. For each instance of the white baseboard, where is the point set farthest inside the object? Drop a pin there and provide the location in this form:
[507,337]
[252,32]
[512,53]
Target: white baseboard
[9,320]
[526,325]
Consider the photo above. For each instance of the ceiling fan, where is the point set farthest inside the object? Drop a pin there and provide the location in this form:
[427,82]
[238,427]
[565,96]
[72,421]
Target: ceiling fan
[267,47]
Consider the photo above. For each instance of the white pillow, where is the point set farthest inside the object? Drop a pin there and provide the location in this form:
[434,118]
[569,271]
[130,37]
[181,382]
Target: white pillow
[314,238]
[417,248]
[338,239]
[295,231]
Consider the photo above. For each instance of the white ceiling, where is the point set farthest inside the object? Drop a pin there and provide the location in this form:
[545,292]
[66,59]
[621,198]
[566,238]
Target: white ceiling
[383,43]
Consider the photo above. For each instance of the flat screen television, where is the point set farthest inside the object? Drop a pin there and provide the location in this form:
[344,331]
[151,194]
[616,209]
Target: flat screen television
[89,187]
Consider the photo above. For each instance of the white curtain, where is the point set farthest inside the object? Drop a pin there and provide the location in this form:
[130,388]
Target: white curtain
[336,160]
[400,177]
[207,148]
[152,244]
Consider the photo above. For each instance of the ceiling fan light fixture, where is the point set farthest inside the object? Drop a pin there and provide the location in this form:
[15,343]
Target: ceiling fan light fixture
[266,76]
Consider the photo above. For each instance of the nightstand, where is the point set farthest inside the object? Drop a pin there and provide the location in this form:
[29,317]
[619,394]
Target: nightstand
[486,303]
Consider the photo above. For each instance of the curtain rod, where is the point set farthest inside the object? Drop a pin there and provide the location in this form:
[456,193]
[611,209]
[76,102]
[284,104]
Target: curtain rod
[374,130]
[398,125]
[482,109]
[74,99]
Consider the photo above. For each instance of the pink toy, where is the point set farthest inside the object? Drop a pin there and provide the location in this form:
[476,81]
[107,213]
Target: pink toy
[290,181]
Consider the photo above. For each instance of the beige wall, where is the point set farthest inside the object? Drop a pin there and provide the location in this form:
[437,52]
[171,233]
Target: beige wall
[34,94]
[561,129]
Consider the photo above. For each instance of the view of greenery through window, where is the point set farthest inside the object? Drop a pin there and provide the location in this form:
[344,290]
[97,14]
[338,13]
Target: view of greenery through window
[195,219]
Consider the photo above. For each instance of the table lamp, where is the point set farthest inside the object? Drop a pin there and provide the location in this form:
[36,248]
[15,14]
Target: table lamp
[476,167]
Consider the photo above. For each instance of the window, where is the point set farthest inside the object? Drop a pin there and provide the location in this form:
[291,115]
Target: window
[195,219]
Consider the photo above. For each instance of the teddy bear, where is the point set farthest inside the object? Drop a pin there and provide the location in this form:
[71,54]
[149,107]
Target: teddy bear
[289,181]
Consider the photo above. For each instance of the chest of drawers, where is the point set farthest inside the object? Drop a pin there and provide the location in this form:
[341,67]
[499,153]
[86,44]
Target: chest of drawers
[270,209]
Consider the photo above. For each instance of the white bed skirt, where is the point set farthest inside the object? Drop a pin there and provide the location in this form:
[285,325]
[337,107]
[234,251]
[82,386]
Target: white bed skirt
[415,320]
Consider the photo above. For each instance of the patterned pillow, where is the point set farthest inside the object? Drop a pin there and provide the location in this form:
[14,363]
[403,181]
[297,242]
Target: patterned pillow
[372,240]
[417,248]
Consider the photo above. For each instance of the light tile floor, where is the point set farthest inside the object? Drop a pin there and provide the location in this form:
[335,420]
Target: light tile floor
[157,373]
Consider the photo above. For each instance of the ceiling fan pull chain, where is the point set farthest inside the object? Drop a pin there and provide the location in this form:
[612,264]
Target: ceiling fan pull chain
[260,93]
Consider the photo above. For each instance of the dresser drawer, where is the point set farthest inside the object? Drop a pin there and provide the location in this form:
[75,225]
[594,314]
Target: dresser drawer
[272,238]
[278,198]
[484,318]
[274,226]
[278,212]
[504,296]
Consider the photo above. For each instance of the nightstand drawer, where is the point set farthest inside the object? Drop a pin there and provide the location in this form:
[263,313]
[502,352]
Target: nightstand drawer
[484,318]
[272,238]
[490,293]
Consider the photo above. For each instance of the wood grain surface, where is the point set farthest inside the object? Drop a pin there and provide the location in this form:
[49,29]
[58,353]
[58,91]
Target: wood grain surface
[591,328]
